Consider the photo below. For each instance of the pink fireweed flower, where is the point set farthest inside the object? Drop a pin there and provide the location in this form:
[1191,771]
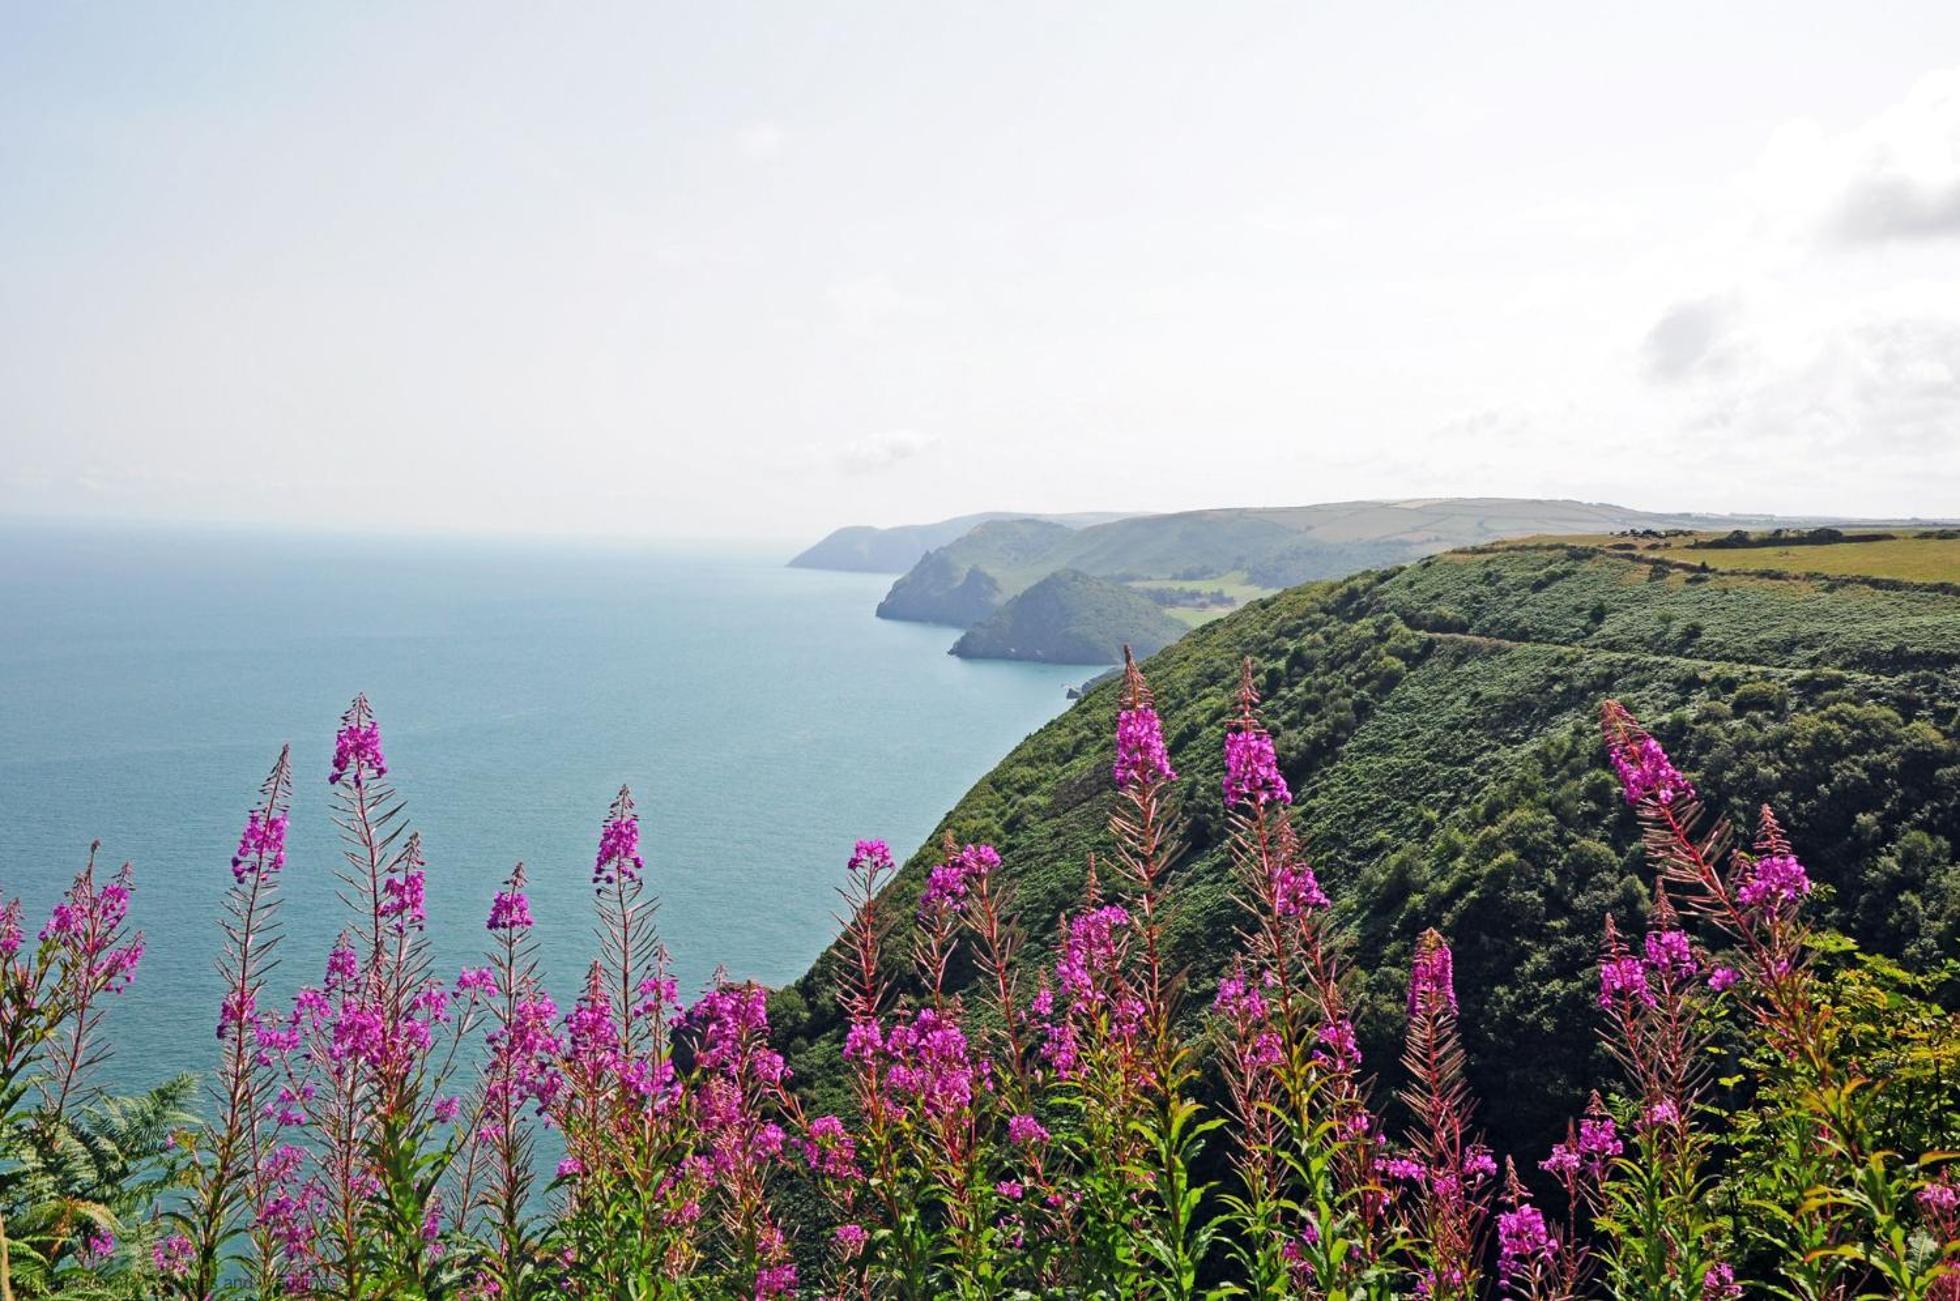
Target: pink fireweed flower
[342,966]
[510,910]
[12,932]
[871,857]
[1091,950]
[1022,1130]
[476,980]
[1939,1199]
[619,847]
[830,1150]
[947,885]
[1624,979]
[402,899]
[930,1066]
[863,1041]
[1432,982]
[1339,1050]
[1721,978]
[775,1281]
[1141,758]
[850,1240]
[1719,1284]
[1776,881]
[591,1036]
[1295,890]
[357,747]
[1599,1139]
[172,1256]
[570,1168]
[1403,1168]
[1668,954]
[1563,1161]
[1239,998]
[262,841]
[1523,1241]
[1645,771]
[1252,773]
[238,1010]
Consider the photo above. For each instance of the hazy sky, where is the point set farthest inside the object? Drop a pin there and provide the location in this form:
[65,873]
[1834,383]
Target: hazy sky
[728,269]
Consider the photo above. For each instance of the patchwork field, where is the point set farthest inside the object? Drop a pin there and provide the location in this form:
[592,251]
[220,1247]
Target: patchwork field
[1932,556]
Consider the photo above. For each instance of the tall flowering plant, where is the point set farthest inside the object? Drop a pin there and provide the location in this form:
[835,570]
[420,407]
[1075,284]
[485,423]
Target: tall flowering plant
[519,1079]
[1308,1209]
[1860,1222]
[225,1166]
[60,1221]
[1448,1175]
[1143,829]
[354,1203]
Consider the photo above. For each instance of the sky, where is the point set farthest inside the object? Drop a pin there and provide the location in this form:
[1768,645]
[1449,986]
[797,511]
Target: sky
[758,270]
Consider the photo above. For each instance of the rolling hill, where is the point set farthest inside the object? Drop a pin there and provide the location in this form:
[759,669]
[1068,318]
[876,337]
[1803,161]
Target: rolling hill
[860,548]
[1070,617]
[1245,553]
[1438,723]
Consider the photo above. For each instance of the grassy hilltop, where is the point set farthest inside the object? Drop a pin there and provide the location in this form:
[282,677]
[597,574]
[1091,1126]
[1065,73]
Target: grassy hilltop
[1200,564]
[1071,617]
[1438,723]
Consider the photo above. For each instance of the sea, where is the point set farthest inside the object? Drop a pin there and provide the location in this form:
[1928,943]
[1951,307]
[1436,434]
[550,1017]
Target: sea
[764,719]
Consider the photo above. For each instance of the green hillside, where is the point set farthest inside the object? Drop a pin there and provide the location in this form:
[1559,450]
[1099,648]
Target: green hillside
[1071,618]
[1255,550]
[861,548]
[1438,724]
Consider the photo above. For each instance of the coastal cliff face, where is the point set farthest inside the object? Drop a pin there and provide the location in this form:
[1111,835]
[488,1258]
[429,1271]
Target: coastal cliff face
[939,590]
[1438,724]
[1071,618]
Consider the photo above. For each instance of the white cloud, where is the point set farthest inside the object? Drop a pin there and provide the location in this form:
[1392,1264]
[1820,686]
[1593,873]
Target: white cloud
[1687,337]
[1895,177]
[1830,360]
[876,452]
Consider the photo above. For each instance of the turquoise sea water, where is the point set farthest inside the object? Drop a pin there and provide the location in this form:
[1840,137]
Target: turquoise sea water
[763,717]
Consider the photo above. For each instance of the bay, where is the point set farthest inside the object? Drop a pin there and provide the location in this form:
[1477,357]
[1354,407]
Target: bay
[764,719]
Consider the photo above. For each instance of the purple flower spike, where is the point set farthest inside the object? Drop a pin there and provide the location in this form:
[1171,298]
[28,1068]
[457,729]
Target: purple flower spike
[509,911]
[946,885]
[1777,881]
[357,747]
[262,841]
[1523,1241]
[871,857]
[1646,773]
[1141,758]
[619,844]
[1432,978]
[1252,773]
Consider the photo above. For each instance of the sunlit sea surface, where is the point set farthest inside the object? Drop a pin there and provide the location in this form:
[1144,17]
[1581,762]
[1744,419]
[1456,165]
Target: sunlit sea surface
[764,719]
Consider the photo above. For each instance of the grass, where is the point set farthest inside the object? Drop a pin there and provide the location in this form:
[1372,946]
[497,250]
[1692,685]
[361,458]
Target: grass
[1235,585]
[1923,558]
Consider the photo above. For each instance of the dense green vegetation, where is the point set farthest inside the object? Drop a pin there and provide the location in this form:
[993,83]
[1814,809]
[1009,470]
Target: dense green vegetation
[1438,723]
[1071,618]
[1248,552]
